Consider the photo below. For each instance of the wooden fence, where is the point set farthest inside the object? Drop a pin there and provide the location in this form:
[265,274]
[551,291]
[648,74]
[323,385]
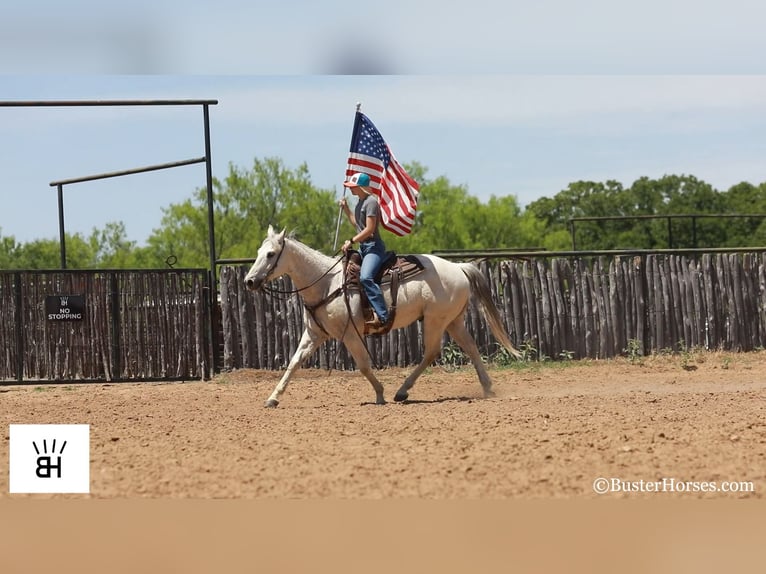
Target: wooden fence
[135,325]
[559,307]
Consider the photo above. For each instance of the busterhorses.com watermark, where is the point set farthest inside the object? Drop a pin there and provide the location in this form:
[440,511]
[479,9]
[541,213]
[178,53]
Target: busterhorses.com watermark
[604,485]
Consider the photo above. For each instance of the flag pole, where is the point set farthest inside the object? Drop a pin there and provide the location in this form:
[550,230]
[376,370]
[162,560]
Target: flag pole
[337,225]
[340,207]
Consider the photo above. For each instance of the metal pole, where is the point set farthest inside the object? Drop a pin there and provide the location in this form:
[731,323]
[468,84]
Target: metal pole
[694,232]
[62,240]
[128,171]
[670,233]
[337,225]
[209,183]
[574,243]
[82,103]
[212,283]
[351,148]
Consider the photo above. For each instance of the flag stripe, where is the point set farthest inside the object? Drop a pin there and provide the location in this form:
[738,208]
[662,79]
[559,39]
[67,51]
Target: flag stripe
[396,190]
[393,198]
[400,201]
[366,164]
[404,183]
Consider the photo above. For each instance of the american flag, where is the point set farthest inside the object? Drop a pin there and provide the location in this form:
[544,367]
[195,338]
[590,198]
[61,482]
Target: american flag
[397,192]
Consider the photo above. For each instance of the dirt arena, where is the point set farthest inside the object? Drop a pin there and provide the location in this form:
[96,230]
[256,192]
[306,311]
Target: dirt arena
[550,432]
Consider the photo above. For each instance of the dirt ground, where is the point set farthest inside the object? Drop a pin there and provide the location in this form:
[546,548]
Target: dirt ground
[678,422]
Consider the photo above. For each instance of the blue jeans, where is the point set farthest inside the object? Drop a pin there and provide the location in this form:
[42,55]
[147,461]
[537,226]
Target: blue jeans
[373,254]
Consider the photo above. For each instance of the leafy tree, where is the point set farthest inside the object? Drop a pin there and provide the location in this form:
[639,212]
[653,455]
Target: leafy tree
[533,233]
[446,218]
[247,201]
[671,195]
[46,254]
[449,217]
[104,248]
[182,236]
[744,198]
[584,199]
[111,247]
[8,252]
[245,204]
[686,194]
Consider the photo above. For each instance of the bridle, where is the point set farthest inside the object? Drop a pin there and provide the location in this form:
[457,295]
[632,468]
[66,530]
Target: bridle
[312,308]
[273,291]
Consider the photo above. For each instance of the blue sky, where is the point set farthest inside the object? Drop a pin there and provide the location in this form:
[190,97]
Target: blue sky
[507,98]
[528,136]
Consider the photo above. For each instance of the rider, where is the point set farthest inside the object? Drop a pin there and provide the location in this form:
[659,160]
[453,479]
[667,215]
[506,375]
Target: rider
[366,219]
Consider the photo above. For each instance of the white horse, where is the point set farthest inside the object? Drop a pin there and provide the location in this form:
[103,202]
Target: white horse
[439,295]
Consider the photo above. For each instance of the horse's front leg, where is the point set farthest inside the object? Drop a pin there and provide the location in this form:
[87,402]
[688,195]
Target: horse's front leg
[361,356]
[308,344]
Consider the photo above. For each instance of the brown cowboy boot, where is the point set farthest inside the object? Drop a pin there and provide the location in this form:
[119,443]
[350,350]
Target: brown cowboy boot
[375,322]
[376,326]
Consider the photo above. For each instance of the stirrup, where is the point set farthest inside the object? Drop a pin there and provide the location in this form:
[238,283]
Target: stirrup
[375,322]
[376,327]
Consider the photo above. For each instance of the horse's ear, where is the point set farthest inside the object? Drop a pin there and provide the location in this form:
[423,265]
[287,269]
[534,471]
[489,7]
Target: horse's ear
[282,234]
[271,230]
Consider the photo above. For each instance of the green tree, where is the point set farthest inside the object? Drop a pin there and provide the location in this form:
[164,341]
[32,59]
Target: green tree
[108,247]
[46,254]
[668,195]
[245,204]
[448,217]
[686,194]
[584,199]
[8,252]
[111,248]
[745,198]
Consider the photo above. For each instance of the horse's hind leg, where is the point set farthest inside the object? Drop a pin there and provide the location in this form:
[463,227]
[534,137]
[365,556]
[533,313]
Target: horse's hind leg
[460,335]
[431,347]
[308,343]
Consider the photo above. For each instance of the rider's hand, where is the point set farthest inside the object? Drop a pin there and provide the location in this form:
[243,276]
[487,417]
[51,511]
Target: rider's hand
[346,245]
[343,203]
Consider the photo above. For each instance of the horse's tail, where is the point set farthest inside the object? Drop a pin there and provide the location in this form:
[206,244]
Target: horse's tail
[480,289]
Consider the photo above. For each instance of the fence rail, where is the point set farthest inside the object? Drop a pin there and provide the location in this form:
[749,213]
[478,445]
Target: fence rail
[575,306]
[136,325]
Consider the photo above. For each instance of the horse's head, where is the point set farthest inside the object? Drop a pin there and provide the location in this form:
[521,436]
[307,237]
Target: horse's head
[267,263]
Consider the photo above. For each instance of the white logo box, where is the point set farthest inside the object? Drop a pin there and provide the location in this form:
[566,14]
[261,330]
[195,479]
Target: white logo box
[49,458]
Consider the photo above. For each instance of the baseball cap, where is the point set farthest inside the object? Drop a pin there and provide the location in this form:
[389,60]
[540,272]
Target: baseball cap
[358,179]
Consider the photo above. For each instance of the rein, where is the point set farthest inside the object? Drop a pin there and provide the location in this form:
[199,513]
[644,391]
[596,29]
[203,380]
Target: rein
[311,308]
[272,291]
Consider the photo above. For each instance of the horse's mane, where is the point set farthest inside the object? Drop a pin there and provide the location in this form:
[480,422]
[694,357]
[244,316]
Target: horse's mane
[293,234]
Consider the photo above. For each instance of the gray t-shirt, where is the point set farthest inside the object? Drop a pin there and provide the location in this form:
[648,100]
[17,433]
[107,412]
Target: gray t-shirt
[368,207]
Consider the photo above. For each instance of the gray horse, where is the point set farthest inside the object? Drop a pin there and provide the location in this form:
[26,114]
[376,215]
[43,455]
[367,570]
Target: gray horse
[439,295]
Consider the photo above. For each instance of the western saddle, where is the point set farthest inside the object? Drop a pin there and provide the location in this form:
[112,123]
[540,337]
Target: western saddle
[393,270]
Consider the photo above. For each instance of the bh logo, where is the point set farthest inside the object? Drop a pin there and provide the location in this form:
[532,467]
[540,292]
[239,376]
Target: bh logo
[49,458]
[44,464]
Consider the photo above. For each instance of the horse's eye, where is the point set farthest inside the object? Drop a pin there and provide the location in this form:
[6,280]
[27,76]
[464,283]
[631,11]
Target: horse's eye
[270,254]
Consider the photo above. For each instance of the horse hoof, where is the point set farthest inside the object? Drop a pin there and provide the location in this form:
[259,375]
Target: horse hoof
[271,404]
[489,394]
[399,397]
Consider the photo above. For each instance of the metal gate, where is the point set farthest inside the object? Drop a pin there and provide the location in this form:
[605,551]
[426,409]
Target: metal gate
[105,325]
